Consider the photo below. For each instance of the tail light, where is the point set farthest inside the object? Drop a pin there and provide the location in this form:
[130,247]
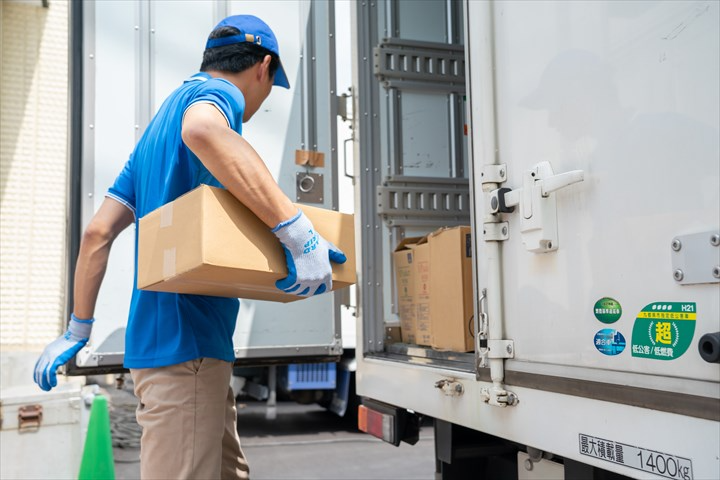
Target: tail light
[388,423]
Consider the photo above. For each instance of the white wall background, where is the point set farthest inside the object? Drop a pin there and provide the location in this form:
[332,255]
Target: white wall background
[33,174]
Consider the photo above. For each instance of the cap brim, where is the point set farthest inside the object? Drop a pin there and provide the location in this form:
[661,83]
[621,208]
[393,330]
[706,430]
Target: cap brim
[281,79]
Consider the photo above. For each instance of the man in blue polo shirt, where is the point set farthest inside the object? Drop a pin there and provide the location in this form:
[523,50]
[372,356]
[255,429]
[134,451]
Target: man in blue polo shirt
[179,347]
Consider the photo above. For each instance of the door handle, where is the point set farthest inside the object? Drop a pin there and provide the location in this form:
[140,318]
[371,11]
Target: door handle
[538,210]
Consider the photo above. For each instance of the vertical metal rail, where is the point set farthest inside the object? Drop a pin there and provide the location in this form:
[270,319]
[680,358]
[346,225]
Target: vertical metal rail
[487,151]
[85,62]
[326,11]
[144,75]
[75,154]
[332,101]
[368,133]
[393,98]
[494,260]
[308,102]
[455,104]
[396,162]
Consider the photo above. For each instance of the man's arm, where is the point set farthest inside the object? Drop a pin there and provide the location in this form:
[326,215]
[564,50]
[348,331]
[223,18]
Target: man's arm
[112,218]
[233,161]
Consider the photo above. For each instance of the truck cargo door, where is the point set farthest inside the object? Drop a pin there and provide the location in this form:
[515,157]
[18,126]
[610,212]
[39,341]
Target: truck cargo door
[133,54]
[412,162]
[607,132]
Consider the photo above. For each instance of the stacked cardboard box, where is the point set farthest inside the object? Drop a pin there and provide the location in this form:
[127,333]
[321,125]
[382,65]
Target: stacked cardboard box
[434,284]
[422,292]
[403,257]
[451,290]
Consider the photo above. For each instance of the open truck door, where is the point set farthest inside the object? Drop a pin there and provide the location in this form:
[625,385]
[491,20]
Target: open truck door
[593,183]
[128,56]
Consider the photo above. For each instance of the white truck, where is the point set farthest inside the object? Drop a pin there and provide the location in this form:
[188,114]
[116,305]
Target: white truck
[579,140]
[591,163]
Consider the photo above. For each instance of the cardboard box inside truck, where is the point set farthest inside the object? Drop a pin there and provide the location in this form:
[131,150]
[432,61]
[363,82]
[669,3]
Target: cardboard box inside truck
[421,258]
[451,293]
[208,243]
[405,286]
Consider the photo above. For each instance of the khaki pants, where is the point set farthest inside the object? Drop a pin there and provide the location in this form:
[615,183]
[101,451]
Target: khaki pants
[189,421]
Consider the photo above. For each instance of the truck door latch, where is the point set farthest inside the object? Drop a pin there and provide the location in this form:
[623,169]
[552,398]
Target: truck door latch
[538,209]
[451,388]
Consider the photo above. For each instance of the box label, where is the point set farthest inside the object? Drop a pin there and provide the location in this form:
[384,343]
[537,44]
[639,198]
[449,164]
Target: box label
[657,463]
[404,288]
[423,271]
[664,330]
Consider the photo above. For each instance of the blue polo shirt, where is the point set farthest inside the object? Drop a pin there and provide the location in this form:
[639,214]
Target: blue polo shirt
[169,328]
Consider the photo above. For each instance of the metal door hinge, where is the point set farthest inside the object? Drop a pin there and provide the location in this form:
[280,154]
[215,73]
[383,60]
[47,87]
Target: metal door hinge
[488,349]
[501,349]
[496,232]
[499,397]
[493,174]
[29,418]
[345,105]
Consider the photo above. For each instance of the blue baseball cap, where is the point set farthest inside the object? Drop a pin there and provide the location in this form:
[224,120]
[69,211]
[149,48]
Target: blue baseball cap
[253,30]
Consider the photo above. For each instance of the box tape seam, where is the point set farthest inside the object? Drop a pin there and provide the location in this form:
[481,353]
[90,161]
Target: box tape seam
[169,267]
[166,215]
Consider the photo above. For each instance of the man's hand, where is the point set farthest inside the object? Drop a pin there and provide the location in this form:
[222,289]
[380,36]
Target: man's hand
[61,350]
[308,257]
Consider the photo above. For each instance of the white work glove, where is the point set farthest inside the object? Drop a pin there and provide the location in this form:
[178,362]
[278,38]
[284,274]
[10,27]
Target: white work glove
[308,257]
[62,350]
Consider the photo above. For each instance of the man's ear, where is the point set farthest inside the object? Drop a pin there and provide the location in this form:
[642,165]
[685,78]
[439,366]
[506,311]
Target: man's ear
[264,66]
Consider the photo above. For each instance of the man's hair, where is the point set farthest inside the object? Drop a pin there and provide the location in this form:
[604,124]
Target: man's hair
[236,57]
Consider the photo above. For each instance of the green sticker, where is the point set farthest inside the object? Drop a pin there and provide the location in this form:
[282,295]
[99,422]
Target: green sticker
[663,330]
[608,310]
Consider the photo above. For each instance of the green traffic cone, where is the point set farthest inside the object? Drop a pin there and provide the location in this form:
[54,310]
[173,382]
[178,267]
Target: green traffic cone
[97,460]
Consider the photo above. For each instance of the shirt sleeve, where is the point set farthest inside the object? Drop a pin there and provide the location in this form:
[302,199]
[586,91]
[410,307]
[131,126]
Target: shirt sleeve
[226,97]
[123,190]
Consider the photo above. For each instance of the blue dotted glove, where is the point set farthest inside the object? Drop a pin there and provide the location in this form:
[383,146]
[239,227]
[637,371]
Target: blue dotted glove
[308,257]
[61,350]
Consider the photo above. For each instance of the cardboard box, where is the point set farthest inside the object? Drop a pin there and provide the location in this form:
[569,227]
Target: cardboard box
[423,289]
[451,292]
[207,243]
[405,286]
